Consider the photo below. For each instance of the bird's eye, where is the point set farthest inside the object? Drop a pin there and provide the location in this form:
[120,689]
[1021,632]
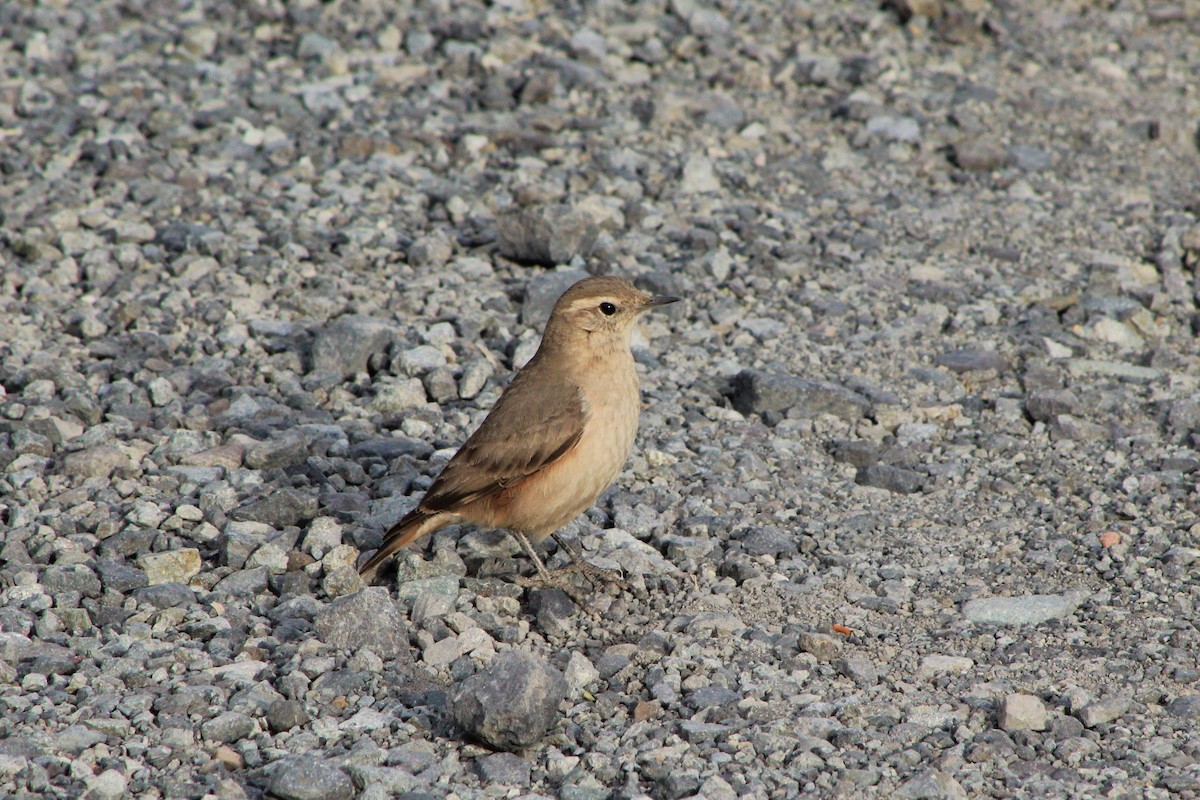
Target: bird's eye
[608,309]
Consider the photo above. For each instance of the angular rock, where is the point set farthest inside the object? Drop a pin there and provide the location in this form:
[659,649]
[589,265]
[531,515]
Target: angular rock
[971,360]
[95,462]
[1028,610]
[165,595]
[309,777]
[283,715]
[1022,712]
[172,566]
[344,346]
[1044,405]
[933,785]
[1102,711]
[885,476]
[547,236]
[503,768]
[280,509]
[511,704]
[365,619]
[1185,706]
[757,392]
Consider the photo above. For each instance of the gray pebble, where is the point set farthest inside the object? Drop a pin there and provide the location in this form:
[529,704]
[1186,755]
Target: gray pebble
[546,236]
[1028,610]
[309,777]
[365,619]
[511,704]
[344,346]
[756,392]
[504,769]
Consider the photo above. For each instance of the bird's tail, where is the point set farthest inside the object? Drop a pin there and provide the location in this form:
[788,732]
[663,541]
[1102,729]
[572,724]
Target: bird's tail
[411,527]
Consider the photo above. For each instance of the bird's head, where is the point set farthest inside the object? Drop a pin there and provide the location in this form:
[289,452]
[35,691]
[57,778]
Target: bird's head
[601,310]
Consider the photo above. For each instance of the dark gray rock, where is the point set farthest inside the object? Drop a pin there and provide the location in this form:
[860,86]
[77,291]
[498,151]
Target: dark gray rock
[344,346]
[756,392]
[511,704]
[282,450]
[859,670]
[543,292]
[309,777]
[971,360]
[546,236]
[243,583]
[283,715]
[71,578]
[366,619]
[503,768]
[1185,706]
[886,476]
[165,595]
[280,508]
[1044,405]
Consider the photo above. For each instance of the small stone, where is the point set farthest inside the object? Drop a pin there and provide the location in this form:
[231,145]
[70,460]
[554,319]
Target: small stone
[442,652]
[433,250]
[283,715]
[894,129]
[1102,711]
[393,396]
[859,670]
[546,236]
[1045,404]
[511,704]
[1185,706]
[366,619]
[940,665]
[885,476]
[971,360]
[1022,712]
[980,155]
[165,595]
[474,377]
[1027,610]
[821,645]
[756,392]
[95,462]
[174,566]
[580,672]
[280,508]
[344,346]
[230,726]
[278,451]
[108,785]
[504,769]
[933,785]
[309,777]
[699,177]
[1069,428]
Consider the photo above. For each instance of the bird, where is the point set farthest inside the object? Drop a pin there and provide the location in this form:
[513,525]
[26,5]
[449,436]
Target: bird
[555,439]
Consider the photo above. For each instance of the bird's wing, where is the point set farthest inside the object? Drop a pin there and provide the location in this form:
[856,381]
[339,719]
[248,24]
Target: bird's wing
[533,424]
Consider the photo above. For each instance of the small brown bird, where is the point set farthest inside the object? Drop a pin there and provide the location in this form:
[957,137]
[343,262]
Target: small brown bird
[558,435]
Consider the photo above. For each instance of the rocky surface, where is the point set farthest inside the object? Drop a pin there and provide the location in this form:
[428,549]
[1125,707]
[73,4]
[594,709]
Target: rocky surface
[914,506]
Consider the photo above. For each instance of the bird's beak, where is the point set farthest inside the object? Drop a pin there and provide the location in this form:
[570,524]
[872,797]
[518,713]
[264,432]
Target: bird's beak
[659,300]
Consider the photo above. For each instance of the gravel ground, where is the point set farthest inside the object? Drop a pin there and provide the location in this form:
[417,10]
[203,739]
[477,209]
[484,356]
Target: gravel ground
[914,510]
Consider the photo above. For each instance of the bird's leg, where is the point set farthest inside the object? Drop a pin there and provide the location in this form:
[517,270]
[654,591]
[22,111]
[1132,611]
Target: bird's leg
[595,575]
[527,546]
